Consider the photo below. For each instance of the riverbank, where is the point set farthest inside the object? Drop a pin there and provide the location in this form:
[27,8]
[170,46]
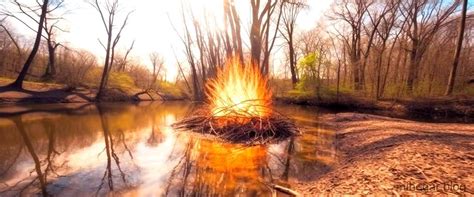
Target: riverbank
[435,110]
[429,109]
[36,92]
[387,156]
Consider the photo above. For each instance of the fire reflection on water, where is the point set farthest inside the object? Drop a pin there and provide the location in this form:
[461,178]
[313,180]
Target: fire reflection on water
[132,150]
[218,169]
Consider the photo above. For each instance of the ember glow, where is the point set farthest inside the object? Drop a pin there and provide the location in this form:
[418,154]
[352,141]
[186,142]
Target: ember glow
[239,91]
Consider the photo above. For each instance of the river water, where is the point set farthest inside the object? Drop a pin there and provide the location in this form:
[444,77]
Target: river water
[131,150]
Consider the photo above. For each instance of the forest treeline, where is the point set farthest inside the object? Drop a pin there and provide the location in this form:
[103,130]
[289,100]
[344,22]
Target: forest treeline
[46,59]
[377,49]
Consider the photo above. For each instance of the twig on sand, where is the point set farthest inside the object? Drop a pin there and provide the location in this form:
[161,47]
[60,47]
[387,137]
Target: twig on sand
[285,190]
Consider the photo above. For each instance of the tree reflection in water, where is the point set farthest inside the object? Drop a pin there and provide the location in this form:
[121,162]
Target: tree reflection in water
[290,149]
[111,153]
[44,153]
[41,167]
[115,149]
[156,136]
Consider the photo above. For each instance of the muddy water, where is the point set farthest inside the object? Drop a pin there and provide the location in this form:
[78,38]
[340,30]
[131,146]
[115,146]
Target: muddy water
[131,150]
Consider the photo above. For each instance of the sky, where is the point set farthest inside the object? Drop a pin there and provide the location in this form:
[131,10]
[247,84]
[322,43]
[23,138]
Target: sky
[151,26]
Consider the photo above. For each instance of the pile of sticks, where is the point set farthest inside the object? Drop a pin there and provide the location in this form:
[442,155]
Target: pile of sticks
[239,127]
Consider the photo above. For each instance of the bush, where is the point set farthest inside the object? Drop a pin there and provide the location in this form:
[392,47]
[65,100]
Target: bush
[170,89]
[117,80]
[122,81]
[78,69]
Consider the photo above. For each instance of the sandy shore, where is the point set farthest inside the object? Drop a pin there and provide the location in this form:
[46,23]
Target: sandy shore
[385,156]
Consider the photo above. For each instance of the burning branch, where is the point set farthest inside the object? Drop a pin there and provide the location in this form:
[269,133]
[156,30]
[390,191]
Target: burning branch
[240,129]
[240,109]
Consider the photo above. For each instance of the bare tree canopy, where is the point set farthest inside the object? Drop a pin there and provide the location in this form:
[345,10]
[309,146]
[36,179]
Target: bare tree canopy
[377,49]
[108,12]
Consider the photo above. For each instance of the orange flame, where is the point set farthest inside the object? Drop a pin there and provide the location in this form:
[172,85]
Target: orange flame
[239,91]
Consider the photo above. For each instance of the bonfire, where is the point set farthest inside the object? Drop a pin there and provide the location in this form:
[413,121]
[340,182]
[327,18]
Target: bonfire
[239,109]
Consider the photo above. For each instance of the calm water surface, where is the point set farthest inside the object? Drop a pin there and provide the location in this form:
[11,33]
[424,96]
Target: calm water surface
[131,150]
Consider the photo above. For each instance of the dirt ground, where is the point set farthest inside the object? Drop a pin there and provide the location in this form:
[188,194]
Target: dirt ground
[386,156]
[37,92]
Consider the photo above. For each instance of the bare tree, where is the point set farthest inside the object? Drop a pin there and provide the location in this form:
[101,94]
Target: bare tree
[157,62]
[291,10]
[261,15]
[215,51]
[335,38]
[452,75]
[353,13]
[38,17]
[376,16]
[383,23]
[388,25]
[322,52]
[108,13]
[234,46]
[180,68]
[50,28]
[187,41]
[13,39]
[268,39]
[200,42]
[425,17]
[124,61]
[262,39]
[308,41]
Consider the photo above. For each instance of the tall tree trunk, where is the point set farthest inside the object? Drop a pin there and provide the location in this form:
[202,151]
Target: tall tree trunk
[234,43]
[344,61]
[414,53]
[400,69]
[355,61]
[255,44]
[21,77]
[105,72]
[195,79]
[291,48]
[52,60]
[338,79]
[318,87]
[111,65]
[356,73]
[389,63]
[413,67]
[452,75]
[328,81]
[379,74]
[51,67]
